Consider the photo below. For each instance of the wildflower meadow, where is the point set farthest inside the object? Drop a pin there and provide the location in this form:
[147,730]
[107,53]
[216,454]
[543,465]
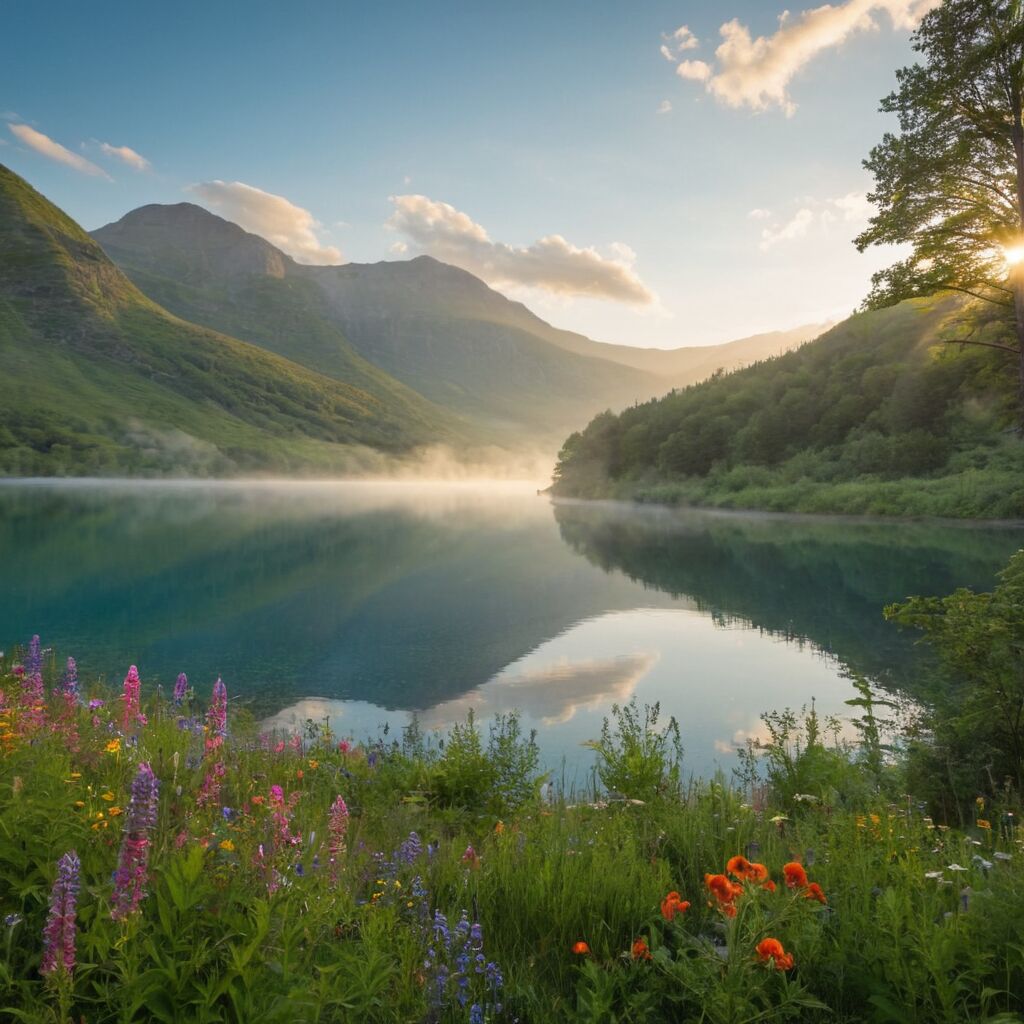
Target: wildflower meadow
[162,859]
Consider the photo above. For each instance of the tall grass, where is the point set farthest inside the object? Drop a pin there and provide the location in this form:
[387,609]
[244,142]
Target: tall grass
[246,918]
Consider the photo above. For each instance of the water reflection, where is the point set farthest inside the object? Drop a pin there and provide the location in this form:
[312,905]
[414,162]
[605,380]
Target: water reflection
[366,602]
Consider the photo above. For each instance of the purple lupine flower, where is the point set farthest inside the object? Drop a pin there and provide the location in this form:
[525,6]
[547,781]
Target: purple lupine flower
[34,661]
[410,849]
[69,684]
[133,862]
[180,688]
[130,713]
[61,926]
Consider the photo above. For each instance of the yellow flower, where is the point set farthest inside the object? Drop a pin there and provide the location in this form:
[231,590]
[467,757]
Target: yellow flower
[314,765]
[980,801]
[499,828]
[114,746]
[227,845]
[108,796]
[99,814]
[982,823]
[79,803]
[114,811]
[76,775]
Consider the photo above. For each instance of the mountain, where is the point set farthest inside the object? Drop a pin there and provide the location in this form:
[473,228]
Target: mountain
[436,328]
[99,378]
[880,414]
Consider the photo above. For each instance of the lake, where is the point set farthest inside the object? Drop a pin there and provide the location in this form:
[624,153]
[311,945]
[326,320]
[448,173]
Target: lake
[366,602]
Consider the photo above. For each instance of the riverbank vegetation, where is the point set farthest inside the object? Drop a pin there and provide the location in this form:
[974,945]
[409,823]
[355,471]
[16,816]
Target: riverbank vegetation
[163,860]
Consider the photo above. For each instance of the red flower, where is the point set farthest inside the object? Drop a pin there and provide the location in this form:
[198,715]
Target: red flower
[814,892]
[581,949]
[769,886]
[640,950]
[796,877]
[771,949]
[672,905]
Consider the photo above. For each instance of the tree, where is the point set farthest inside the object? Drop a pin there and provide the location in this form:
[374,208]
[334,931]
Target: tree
[977,721]
[951,183]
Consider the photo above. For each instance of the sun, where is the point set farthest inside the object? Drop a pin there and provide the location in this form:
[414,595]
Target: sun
[1012,255]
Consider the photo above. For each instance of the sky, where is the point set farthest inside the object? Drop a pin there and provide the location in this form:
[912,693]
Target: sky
[643,171]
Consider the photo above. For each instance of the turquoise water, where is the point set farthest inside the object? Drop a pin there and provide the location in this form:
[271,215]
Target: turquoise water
[366,602]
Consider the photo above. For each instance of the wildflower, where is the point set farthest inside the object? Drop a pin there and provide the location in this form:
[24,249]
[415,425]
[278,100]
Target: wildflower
[133,862]
[982,823]
[814,892]
[768,886]
[209,791]
[180,688]
[796,877]
[772,950]
[258,800]
[217,716]
[640,950]
[227,846]
[581,948]
[740,867]
[935,875]
[131,712]
[337,827]
[672,905]
[108,796]
[410,849]
[471,858]
[61,925]
[344,746]
[956,867]
[499,828]
[13,920]
[69,683]
[113,811]
[34,662]
[313,765]
[1003,856]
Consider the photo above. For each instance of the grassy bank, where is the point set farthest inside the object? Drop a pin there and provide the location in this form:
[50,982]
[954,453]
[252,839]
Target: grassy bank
[982,485]
[224,875]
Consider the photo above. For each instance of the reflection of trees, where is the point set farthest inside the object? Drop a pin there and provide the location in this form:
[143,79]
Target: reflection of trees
[823,581]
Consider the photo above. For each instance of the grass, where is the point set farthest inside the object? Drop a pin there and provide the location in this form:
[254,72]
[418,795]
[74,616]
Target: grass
[254,910]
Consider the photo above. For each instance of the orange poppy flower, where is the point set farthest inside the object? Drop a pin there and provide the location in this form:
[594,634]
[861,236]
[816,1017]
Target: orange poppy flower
[771,949]
[581,949]
[640,950]
[738,866]
[722,889]
[769,886]
[672,905]
[796,877]
[814,892]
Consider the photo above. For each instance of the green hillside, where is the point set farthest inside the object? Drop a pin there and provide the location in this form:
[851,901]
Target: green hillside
[879,415]
[212,272]
[99,379]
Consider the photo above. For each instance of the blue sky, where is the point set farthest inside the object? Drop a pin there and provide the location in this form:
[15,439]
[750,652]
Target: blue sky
[728,214]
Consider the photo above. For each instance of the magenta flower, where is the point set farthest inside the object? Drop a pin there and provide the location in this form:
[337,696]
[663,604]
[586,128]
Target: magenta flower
[217,716]
[131,713]
[180,688]
[209,792]
[133,862]
[337,827]
[61,926]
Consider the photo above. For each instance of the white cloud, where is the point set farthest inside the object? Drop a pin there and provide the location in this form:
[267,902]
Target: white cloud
[796,227]
[694,70]
[126,155]
[851,210]
[55,151]
[756,72]
[274,218]
[678,42]
[665,107]
[399,248]
[551,263]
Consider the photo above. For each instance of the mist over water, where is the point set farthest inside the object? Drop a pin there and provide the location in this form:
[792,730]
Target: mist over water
[367,602]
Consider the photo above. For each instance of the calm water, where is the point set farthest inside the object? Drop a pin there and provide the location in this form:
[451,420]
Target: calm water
[366,602]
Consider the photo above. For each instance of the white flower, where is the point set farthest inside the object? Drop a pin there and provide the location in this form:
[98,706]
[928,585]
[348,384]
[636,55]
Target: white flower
[956,867]
[933,874]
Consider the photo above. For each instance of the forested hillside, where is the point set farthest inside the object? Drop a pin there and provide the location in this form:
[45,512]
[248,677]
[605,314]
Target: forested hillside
[881,414]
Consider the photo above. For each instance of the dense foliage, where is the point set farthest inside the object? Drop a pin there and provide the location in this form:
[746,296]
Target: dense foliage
[159,862]
[951,182]
[875,416]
